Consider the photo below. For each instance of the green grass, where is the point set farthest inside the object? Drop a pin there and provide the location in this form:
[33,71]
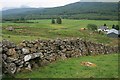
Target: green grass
[43,29]
[107,67]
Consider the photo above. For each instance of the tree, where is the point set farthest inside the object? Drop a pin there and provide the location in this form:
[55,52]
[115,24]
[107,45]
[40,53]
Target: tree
[105,25]
[59,20]
[22,19]
[113,26]
[117,27]
[92,27]
[53,21]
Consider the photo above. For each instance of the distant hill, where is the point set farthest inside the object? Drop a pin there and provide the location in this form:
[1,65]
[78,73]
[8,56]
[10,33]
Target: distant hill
[78,10]
[17,11]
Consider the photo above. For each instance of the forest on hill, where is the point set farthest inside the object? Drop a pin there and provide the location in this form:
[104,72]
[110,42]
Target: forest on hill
[78,10]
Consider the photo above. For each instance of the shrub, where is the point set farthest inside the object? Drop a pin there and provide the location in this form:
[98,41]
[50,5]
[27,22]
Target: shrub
[92,27]
[59,20]
[53,21]
[113,26]
[105,24]
[116,27]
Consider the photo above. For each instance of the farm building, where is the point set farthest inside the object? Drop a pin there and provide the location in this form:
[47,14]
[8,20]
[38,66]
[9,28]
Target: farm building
[113,33]
[103,28]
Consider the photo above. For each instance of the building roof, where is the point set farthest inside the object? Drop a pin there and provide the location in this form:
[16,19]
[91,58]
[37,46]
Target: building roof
[103,27]
[113,31]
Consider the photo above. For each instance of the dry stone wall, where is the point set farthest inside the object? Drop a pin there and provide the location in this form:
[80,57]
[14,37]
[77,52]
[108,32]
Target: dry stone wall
[30,54]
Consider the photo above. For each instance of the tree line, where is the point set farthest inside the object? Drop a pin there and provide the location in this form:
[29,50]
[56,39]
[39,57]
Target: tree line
[91,11]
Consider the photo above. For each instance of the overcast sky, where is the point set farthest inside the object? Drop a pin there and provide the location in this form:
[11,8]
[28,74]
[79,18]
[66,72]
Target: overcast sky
[35,3]
[100,0]
[41,3]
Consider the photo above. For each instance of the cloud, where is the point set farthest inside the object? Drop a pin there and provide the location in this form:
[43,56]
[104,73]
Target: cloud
[35,3]
[99,0]
[43,3]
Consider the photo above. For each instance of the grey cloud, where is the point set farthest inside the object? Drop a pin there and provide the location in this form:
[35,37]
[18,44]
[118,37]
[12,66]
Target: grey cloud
[99,0]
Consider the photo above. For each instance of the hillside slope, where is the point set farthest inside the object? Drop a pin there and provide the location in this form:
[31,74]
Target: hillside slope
[78,10]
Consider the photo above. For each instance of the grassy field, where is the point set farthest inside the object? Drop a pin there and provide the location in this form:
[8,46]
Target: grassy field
[107,67]
[43,29]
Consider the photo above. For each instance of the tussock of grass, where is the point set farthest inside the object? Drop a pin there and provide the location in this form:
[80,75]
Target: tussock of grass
[107,67]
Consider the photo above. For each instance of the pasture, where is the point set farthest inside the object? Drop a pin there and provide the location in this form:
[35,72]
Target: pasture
[106,67]
[43,29]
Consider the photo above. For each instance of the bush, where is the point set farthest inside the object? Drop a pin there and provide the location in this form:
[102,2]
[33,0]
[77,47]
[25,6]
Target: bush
[117,27]
[105,24]
[59,20]
[92,27]
[53,21]
[113,26]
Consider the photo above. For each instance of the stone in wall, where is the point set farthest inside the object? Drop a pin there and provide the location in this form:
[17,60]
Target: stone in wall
[30,54]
